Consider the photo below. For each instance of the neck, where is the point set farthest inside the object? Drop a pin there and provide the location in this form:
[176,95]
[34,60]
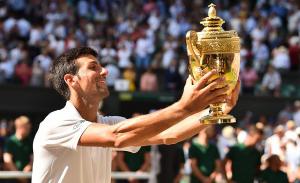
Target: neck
[19,136]
[249,142]
[274,168]
[203,140]
[87,108]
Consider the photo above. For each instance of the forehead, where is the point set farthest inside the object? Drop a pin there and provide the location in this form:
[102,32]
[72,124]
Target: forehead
[86,60]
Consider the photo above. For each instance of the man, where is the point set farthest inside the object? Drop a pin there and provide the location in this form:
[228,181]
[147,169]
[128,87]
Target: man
[205,158]
[171,163]
[138,162]
[245,158]
[273,172]
[74,144]
[17,149]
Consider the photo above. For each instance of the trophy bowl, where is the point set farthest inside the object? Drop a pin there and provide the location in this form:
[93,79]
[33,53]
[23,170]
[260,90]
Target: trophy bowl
[214,48]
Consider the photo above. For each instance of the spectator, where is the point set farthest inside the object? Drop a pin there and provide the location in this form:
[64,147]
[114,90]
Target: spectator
[124,55]
[285,114]
[171,163]
[296,114]
[130,75]
[294,52]
[23,73]
[271,82]
[3,135]
[272,173]
[143,51]
[245,168]
[249,78]
[261,56]
[149,81]
[226,140]
[44,59]
[18,147]
[108,53]
[169,46]
[173,80]
[138,162]
[114,74]
[7,67]
[205,158]
[275,143]
[37,78]
[281,59]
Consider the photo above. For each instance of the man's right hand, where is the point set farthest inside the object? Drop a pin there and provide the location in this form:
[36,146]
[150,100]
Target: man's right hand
[197,95]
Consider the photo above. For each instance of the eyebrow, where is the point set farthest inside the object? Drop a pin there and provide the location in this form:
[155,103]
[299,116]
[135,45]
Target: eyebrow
[94,62]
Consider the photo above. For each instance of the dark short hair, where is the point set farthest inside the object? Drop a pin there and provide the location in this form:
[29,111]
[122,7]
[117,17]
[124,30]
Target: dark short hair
[66,64]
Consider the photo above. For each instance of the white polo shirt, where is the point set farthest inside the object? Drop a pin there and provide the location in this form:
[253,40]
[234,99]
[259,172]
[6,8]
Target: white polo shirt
[58,158]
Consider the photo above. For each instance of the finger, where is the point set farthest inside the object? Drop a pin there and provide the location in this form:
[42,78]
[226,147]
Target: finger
[189,80]
[219,92]
[236,89]
[218,99]
[215,84]
[204,79]
[235,93]
[238,86]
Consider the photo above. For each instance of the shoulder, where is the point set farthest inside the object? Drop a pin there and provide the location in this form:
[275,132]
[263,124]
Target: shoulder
[10,139]
[213,146]
[52,118]
[110,120]
[235,147]
[59,120]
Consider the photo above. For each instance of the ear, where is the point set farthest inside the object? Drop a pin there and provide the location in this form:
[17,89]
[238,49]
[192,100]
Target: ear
[70,79]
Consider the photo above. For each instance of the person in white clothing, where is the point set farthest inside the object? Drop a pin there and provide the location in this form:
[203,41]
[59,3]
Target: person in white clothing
[74,144]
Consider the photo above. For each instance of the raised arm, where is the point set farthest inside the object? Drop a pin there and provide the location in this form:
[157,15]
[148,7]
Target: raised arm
[190,126]
[135,131]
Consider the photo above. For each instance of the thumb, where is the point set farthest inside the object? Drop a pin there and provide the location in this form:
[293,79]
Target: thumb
[189,80]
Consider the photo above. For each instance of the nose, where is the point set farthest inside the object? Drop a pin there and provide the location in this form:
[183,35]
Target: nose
[104,72]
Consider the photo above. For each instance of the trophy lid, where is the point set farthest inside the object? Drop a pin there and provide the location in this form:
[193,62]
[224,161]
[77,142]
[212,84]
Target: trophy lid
[213,26]
[212,22]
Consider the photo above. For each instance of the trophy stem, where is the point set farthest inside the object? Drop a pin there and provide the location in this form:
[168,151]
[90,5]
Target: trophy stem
[216,116]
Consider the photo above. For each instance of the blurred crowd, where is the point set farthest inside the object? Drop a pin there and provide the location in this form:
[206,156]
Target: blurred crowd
[142,42]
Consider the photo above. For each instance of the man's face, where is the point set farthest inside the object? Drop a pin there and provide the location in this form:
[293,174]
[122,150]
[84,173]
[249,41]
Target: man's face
[24,129]
[255,138]
[92,77]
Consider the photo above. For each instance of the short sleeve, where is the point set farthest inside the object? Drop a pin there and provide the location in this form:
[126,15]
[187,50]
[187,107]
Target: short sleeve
[181,155]
[229,155]
[66,133]
[216,152]
[192,151]
[8,146]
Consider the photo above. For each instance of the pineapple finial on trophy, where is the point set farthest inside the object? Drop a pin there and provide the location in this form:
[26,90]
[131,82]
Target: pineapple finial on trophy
[212,10]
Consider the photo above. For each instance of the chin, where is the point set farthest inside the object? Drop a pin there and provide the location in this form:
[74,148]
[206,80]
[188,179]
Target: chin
[104,93]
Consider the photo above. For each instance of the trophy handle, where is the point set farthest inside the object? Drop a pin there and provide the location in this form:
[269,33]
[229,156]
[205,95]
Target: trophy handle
[192,50]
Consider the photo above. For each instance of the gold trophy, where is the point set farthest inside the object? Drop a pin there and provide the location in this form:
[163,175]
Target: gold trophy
[214,48]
